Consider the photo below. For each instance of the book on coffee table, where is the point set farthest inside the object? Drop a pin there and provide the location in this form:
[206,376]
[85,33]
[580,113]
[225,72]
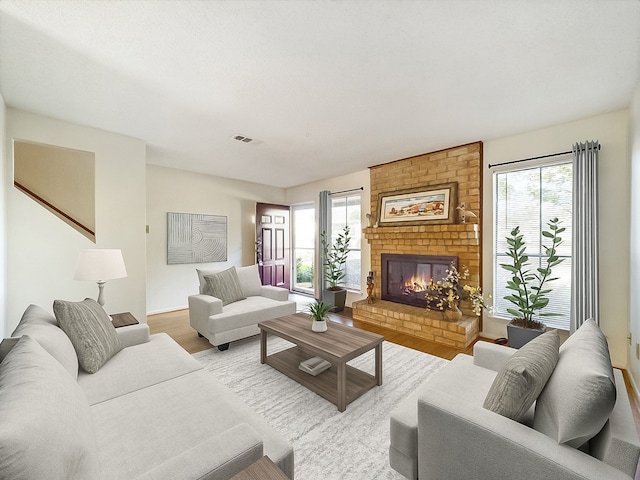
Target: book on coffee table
[314,366]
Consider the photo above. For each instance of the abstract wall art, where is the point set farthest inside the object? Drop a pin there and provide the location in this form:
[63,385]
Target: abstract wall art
[196,238]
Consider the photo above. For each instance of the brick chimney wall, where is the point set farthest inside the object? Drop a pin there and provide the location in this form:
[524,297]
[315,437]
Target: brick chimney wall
[462,165]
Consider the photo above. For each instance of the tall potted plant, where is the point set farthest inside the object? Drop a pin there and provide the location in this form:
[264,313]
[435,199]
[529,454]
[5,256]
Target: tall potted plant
[529,287]
[334,260]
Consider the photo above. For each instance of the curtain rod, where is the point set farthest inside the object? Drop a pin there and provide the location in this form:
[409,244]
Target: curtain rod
[532,158]
[346,191]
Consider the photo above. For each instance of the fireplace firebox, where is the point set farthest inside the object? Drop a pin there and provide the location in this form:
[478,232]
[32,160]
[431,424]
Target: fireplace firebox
[405,277]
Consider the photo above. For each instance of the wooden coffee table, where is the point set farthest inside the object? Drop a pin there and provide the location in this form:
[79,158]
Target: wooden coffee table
[342,383]
[263,469]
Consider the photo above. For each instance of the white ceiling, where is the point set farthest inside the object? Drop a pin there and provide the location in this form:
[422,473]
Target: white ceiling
[326,87]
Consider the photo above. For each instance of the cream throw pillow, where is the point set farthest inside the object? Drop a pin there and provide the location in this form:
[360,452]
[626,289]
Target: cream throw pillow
[90,330]
[581,393]
[249,278]
[523,377]
[43,327]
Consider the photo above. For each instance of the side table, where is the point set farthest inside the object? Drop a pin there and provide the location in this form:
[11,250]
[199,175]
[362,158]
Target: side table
[123,319]
[263,469]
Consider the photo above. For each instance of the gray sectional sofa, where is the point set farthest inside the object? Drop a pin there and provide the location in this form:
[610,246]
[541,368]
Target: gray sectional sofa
[227,315]
[149,412]
[580,426]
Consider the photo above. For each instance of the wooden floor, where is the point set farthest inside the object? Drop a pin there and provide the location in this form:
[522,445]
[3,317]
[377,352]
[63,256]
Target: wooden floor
[176,325]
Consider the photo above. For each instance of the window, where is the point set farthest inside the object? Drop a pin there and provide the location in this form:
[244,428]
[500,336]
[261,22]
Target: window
[304,229]
[529,198]
[346,211]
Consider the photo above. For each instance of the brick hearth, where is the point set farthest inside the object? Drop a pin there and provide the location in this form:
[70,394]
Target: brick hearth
[418,322]
[462,165]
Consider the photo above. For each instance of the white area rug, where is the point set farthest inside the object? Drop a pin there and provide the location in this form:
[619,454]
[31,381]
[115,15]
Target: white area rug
[328,445]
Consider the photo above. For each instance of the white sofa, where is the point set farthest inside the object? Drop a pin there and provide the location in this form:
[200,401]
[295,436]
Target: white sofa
[150,412]
[222,324]
[442,431]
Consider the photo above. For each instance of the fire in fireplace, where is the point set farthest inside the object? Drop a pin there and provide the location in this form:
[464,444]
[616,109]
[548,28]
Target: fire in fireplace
[405,277]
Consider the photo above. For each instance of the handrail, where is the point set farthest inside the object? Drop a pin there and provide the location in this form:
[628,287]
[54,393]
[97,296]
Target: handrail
[41,200]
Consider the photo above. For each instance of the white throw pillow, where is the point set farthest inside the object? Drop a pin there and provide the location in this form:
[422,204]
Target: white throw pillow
[250,280]
[43,327]
[47,431]
[523,377]
[581,393]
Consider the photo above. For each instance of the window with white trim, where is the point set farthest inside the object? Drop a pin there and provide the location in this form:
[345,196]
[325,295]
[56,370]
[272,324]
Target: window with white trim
[345,210]
[529,198]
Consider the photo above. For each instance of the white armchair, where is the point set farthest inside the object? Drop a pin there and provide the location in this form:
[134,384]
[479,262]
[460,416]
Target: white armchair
[442,431]
[222,324]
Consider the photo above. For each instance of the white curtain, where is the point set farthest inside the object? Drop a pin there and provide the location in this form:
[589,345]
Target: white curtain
[584,291]
[324,224]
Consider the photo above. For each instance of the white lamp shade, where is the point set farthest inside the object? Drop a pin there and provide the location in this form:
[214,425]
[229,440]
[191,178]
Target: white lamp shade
[100,264]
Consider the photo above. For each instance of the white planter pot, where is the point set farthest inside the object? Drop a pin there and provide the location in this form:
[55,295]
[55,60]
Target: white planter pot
[317,326]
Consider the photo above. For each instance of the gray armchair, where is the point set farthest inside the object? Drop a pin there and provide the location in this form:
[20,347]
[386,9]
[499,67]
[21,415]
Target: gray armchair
[443,431]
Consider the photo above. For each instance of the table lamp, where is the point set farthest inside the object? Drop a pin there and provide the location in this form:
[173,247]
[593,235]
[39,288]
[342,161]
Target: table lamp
[100,265]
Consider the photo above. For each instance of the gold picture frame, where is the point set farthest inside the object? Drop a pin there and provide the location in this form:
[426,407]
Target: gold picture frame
[433,204]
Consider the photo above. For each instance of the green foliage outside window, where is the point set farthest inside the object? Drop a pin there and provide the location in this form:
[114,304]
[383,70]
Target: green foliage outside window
[304,273]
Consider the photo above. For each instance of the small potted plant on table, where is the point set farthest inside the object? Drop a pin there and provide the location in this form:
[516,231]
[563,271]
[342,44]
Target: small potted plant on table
[529,287]
[319,312]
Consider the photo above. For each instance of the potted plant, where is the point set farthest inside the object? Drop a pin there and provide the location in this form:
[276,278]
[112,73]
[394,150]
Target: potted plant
[319,312]
[529,289]
[334,260]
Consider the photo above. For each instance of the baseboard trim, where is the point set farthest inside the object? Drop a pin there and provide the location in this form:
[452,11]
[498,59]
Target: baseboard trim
[169,310]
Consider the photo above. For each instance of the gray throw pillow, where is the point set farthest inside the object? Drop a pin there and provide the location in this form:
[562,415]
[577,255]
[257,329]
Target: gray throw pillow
[225,285]
[47,430]
[523,377]
[203,288]
[581,393]
[90,330]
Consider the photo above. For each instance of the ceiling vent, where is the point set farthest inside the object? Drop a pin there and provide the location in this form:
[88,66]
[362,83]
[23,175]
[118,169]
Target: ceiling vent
[242,138]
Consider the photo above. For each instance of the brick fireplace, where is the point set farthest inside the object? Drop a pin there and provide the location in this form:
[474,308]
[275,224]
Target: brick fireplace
[462,241]
[405,277]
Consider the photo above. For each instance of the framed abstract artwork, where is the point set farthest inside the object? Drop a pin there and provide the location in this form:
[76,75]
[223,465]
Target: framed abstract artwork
[196,238]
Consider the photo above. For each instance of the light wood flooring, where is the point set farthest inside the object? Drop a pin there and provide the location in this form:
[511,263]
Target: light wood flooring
[176,325]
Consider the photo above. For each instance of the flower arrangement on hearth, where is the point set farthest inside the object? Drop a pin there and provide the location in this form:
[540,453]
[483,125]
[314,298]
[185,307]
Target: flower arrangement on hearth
[446,294]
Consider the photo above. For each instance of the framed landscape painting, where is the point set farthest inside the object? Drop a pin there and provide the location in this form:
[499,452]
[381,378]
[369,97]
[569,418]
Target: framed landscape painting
[434,204]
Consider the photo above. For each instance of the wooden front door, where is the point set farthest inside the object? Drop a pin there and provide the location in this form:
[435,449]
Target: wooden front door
[272,233]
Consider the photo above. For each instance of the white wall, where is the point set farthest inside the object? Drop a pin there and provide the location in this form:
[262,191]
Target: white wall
[309,193]
[634,290]
[170,190]
[3,216]
[614,184]
[42,250]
